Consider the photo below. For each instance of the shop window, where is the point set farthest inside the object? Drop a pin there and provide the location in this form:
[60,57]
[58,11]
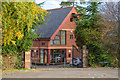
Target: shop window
[71,36]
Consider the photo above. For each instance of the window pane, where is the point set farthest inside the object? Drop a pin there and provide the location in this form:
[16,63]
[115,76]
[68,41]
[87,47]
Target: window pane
[32,53]
[62,37]
[71,19]
[56,41]
[57,37]
[51,42]
[58,33]
[71,36]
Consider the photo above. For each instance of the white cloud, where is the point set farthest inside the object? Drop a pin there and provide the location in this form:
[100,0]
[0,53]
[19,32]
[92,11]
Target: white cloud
[39,1]
[49,4]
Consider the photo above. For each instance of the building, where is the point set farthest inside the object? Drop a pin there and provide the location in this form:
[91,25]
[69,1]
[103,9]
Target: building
[55,44]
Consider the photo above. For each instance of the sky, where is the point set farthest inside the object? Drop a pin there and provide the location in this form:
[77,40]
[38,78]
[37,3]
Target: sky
[50,4]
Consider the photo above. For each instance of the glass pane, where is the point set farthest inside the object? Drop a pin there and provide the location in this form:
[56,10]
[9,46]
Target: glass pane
[37,54]
[56,41]
[57,37]
[58,33]
[51,42]
[57,58]
[41,56]
[57,51]
[51,56]
[32,53]
[62,37]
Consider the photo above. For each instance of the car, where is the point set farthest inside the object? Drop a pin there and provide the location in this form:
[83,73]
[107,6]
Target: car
[76,62]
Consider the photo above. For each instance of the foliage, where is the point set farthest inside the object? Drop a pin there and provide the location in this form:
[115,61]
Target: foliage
[88,32]
[102,34]
[65,4]
[16,16]
[18,24]
[109,11]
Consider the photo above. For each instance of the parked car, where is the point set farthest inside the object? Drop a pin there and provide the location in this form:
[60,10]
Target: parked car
[76,62]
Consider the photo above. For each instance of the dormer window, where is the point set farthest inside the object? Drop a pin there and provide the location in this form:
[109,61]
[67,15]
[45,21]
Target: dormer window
[71,19]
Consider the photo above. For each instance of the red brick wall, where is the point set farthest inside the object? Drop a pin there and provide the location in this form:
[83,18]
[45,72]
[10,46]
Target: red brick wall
[67,26]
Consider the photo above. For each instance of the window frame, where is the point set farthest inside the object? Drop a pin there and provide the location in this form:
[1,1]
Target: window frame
[52,41]
[71,19]
[43,43]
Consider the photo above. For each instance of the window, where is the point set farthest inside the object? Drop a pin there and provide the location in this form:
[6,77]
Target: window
[59,38]
[32,53]
[62,37]
[56,41]
[69,55]
[71,19]
[43,43]
[71,36]
[37,54]
[51,42]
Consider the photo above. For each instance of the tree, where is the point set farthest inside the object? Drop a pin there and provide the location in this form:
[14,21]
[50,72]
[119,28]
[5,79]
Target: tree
[67,3]
[16,16]
[18,27]
[88,32]
[109,11]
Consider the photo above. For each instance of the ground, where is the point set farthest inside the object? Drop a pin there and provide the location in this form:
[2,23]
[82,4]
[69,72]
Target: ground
[64,73]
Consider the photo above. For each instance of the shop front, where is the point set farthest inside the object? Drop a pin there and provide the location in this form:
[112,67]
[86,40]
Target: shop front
[42,56]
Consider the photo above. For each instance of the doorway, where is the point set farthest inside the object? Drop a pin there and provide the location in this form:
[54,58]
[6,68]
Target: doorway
[57,55]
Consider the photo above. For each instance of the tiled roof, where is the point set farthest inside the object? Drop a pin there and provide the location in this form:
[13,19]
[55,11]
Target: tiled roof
[54,20]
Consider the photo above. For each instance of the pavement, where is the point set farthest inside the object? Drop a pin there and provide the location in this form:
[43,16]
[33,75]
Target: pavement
[64,73]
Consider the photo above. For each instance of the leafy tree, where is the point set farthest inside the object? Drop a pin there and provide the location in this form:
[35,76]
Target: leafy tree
[67,3]
[18,27]
[16,16]
[88,32]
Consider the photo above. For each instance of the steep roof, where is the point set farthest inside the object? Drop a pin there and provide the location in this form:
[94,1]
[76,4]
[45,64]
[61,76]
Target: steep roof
[54,20]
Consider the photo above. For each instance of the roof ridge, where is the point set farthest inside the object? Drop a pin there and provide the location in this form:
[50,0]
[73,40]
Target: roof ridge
[60,8]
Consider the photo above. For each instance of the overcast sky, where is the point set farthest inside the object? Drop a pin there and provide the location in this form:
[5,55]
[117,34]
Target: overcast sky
[50,4]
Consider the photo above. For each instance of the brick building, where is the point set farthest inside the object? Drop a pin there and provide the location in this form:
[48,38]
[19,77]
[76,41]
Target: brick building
[55,44]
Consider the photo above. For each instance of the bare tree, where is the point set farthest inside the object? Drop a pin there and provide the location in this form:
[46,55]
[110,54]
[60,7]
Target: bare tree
[109,13]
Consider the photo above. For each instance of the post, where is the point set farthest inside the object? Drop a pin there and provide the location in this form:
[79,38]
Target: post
[27,59]
[48,61]
[64,62]
[72,54]
[85,56]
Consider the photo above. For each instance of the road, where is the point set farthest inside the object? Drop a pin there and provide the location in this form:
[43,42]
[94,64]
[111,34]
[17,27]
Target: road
[64,73]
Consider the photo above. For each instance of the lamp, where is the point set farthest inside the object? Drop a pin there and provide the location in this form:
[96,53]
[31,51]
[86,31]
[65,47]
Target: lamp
[69,51]
[34,50]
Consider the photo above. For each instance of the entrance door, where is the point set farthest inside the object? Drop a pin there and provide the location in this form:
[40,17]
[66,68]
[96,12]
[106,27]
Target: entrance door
[57,55]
